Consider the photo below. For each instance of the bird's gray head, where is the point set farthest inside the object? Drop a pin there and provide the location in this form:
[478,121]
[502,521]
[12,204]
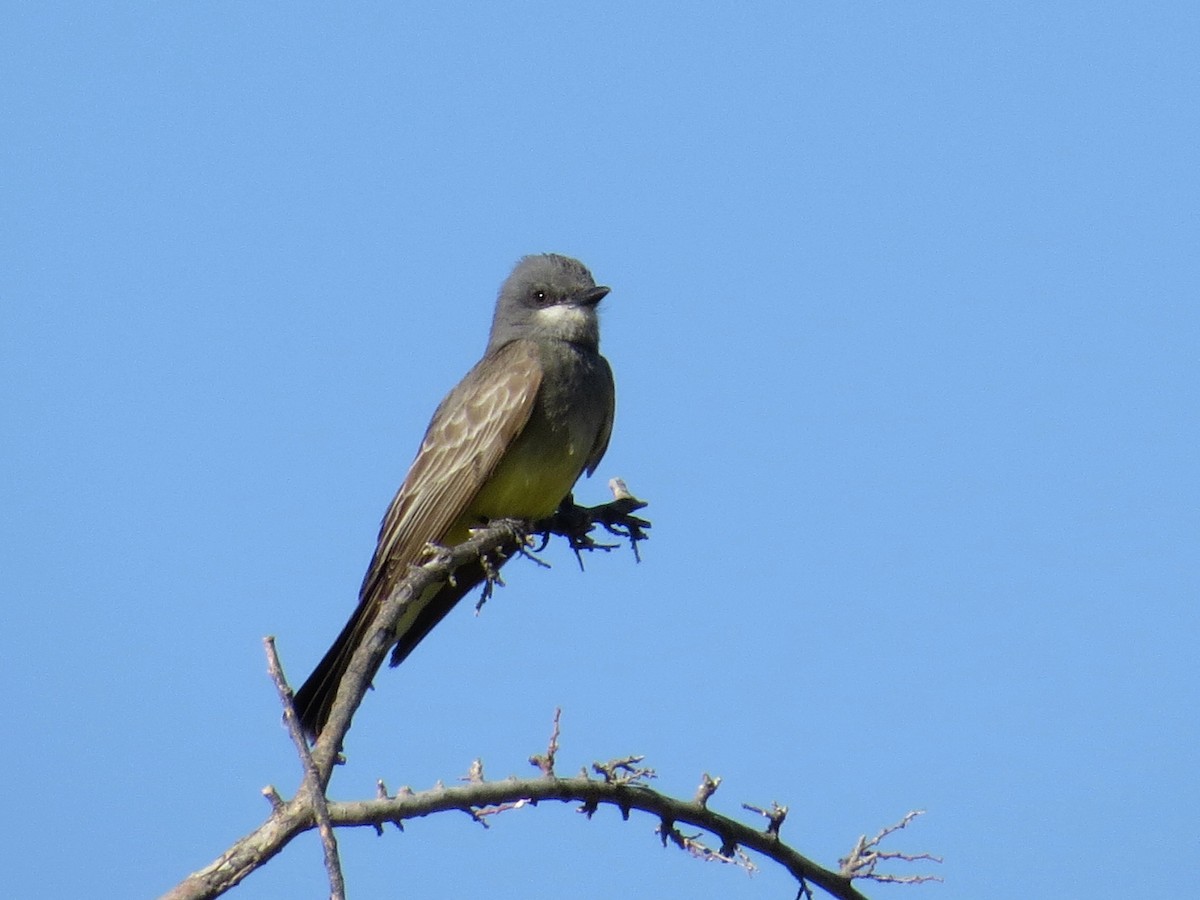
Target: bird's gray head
[548,297]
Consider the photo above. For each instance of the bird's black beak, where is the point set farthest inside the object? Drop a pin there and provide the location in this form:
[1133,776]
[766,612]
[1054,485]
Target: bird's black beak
[592,296]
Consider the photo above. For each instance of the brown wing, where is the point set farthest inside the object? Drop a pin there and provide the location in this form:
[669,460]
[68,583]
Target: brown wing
[464,442]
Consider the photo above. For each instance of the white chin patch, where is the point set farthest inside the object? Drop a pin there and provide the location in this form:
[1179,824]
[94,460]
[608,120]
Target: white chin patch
[566,320]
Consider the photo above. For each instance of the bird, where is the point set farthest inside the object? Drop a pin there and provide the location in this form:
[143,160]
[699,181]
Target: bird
[508,441]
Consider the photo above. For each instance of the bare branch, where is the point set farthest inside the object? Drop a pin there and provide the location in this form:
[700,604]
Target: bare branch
[866,856]
[545,763]
[774,816]
[623,770]
[623,783]
[497,541]
[287,819]
[693,846]
[488,798]
[576,523]
[309,786]
[475,773]
[708,787]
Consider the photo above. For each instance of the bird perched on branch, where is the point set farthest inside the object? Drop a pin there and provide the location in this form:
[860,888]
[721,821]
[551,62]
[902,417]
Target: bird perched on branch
[509,441]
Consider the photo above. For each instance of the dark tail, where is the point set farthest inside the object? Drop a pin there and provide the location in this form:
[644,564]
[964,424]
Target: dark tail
[315,698]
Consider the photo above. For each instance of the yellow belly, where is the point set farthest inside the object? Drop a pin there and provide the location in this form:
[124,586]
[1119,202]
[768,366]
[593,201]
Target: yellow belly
[531,480]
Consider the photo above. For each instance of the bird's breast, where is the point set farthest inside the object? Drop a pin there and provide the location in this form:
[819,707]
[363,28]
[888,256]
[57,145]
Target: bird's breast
[537,471]
[546,458]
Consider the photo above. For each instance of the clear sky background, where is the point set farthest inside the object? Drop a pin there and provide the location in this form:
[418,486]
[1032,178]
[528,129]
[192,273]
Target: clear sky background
[905,326]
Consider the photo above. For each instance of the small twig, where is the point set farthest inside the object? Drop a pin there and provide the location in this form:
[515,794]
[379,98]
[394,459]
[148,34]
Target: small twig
[617,517]
[694,847]
[623,770]
[381,793]
[492,578]
[273,798]
[774,816]
[532,556]
[497,809]
[545,763]
[576,523]
[866,856]
[708,787]
[311,785]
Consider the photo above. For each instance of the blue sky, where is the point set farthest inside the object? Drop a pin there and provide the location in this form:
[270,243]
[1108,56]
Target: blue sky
[905,330]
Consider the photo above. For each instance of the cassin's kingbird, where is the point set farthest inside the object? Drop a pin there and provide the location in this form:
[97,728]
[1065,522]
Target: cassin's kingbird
[508,442]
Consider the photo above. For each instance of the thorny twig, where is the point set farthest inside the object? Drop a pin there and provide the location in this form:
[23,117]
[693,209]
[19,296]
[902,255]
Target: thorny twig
[865,857]
[708,787]
[310,786]
[545,763]
[576,524]
[624,770]
[623,785]
[774,816]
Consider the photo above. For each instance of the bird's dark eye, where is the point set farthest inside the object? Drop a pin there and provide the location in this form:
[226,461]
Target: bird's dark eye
[539,297]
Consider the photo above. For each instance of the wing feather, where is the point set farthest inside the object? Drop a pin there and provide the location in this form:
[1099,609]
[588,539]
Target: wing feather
[465,441]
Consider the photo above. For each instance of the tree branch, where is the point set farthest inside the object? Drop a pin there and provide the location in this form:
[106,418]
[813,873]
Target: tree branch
[477,798]
[500,538]
[308,787]
[621,782]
